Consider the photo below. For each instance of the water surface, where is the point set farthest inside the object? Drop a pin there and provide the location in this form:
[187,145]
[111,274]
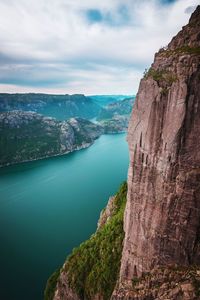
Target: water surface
[47,207]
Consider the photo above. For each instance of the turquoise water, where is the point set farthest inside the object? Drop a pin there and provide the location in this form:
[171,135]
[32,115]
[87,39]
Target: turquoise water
[48,207]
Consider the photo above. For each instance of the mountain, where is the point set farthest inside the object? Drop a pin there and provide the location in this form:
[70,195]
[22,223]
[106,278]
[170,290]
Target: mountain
[104,100]
[161,248]
[115,116]
[61,107]
[117,124]
[26,136]
[121,107]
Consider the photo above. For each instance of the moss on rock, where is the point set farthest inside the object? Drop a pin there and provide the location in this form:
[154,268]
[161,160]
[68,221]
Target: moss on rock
[93,267]
[51,285]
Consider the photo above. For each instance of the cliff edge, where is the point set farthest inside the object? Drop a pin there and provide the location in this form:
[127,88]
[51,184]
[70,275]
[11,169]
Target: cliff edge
[162,215]
[161,248]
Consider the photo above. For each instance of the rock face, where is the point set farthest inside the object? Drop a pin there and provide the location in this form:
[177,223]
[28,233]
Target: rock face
[63,291]
[106,213]
[168,283]
[26,136]
[162,216]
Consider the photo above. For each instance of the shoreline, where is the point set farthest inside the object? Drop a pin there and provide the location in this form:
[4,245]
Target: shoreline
[61,154]
[47,156]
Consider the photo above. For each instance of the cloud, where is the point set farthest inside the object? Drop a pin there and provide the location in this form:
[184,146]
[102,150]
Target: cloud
[190,9]
[99,46]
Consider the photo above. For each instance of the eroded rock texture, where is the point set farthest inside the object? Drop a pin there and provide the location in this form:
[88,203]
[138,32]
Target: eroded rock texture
[63,291]
[162,216]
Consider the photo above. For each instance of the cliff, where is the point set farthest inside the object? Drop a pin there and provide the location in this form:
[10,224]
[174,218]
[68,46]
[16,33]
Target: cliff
[161,248]
[162,216]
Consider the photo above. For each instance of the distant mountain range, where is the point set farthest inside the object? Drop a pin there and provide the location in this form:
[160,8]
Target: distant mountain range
[104,100]
[34,126]
[61,107]
[115,116]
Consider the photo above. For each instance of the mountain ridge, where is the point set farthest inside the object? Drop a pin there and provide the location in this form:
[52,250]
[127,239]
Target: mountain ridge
[61,107]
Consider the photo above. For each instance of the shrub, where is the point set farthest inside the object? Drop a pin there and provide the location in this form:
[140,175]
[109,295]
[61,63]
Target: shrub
[51,285]
[164,76]
[93,267]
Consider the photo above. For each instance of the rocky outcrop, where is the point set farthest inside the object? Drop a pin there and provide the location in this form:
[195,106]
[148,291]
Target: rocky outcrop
[167,283]
[26,136]
[162,216]
[63,290]
[107,213]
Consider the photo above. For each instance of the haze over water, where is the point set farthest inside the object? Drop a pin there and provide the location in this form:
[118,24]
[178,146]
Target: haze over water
[47,207]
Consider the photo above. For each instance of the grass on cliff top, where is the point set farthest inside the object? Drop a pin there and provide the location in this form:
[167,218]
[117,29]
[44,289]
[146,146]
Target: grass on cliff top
[164,76]
[93,267]
[181,50]
[160,76]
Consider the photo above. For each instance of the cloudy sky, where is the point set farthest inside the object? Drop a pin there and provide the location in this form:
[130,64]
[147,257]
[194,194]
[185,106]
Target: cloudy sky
[84,46]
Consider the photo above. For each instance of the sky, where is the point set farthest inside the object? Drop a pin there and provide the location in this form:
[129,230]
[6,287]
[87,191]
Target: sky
[84,46]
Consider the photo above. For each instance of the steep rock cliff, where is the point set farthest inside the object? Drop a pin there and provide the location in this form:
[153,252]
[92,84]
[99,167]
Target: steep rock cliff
[162,215]
[161,249]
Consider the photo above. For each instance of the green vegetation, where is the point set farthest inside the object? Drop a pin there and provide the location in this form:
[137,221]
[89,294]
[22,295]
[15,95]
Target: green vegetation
[155,74]
[26,136]
[93,267]
[161,76]
[119,108]
[51,285]
[135,280]
[29,141]
[164,77]
[181,50]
